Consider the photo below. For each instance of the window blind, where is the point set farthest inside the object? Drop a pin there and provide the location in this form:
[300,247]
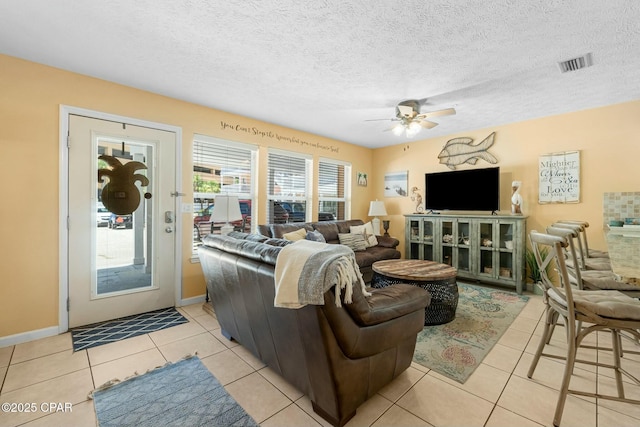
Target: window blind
[221,167]
[332,189]
[288,175]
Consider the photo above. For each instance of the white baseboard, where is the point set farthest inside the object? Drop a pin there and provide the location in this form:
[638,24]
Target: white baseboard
[28,336]
[54,330]
[193,300]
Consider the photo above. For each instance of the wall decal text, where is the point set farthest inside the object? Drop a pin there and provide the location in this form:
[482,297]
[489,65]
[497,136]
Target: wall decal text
[278,137]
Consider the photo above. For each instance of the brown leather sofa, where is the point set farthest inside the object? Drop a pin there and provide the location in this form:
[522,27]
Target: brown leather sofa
[386,248]
[338,356]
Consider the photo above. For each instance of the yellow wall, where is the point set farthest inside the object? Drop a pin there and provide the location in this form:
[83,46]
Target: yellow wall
[30,96]
[608,139]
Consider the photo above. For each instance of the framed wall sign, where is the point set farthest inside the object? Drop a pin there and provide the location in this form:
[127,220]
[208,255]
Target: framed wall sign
[559,177]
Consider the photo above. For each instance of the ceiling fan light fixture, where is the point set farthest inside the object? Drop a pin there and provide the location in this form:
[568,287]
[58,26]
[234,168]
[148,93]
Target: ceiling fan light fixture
[398,129]
[410,121]
[412,129]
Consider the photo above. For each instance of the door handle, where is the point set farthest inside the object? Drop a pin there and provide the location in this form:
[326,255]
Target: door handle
[168,229]
[168,217]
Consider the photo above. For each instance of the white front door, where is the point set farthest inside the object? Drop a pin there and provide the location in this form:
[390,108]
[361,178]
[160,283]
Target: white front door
[121,233]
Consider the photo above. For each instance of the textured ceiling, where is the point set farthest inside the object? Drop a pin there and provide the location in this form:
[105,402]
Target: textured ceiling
[326,66]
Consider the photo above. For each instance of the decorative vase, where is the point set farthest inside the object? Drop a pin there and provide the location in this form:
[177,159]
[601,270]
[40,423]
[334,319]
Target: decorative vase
[516,198]
[385,226]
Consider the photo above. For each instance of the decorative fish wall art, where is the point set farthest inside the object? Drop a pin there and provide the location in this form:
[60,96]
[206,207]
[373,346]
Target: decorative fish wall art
[461,150]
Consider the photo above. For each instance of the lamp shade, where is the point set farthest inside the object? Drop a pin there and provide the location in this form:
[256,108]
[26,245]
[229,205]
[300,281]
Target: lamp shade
[376,208]
[226,209]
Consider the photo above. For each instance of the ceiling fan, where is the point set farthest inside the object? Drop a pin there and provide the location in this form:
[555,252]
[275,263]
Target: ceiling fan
[411,121]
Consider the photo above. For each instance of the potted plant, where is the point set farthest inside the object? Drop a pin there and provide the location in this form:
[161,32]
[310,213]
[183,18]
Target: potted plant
[533,270]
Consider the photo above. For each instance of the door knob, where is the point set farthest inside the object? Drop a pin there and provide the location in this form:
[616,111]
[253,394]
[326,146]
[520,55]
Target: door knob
[169,229]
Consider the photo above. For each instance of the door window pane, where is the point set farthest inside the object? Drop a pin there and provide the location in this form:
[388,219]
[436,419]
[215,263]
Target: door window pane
[123,241]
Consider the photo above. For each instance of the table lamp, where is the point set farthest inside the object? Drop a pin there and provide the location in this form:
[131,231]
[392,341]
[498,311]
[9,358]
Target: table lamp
[226,209]
[376,209]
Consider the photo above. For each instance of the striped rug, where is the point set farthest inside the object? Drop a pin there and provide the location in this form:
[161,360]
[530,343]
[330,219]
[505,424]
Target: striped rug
[125,327]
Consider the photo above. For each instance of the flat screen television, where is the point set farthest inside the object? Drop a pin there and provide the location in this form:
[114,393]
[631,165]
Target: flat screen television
[464,190]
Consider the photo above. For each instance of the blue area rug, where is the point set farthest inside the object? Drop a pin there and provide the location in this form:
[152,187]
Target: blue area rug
[126,327]
[180,394]
[457,348]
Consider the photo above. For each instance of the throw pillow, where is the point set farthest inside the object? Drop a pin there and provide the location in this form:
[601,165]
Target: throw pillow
[367,232]
[354,241]
[295,235]
[316,236]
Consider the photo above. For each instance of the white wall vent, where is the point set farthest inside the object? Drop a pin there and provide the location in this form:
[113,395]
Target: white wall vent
[576,64]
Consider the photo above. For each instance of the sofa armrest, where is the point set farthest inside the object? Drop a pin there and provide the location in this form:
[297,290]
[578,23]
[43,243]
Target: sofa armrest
[387,242]
[387,303]
[391,316]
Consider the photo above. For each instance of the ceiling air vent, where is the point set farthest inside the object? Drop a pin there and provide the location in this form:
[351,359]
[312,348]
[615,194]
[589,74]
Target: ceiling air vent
[576,64]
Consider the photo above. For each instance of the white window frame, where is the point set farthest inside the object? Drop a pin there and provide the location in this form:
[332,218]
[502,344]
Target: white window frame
[347,186]
[307,198]
[253,191]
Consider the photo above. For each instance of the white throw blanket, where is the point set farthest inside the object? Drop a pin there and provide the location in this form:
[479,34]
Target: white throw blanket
[305,270]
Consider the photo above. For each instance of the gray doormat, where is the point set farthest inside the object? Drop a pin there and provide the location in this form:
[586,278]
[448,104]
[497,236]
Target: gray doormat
[126,327]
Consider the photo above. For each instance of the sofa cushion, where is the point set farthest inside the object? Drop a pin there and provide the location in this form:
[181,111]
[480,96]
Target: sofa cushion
[263,252]
[259,238]
[376,253]
[265,230]
[388,242]
[329,230]
[387,303]
[246,236]
[315,236]
[279,230]
[344,226]
[277,242]
[300,234]
[367,231]
[354,241]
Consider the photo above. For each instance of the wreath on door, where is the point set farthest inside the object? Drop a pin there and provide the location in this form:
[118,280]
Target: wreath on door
[120,194]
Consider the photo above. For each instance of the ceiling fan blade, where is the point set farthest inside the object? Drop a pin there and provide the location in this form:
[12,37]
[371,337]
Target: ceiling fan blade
[427,124]
[438,113]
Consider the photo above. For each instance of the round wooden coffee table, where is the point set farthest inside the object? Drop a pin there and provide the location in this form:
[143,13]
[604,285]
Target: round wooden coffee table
[439,279]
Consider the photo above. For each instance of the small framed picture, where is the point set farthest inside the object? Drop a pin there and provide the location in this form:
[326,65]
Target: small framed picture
[361,179]
[396,184]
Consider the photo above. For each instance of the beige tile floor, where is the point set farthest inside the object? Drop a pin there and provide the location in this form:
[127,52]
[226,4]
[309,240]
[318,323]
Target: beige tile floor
[498,394]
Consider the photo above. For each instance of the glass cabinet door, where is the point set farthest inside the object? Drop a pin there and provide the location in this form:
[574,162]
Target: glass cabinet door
[420,234]
[463,240]
[486,241]
[427,239]
[447,243]
[506,249]
[413,235]
[414,230]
